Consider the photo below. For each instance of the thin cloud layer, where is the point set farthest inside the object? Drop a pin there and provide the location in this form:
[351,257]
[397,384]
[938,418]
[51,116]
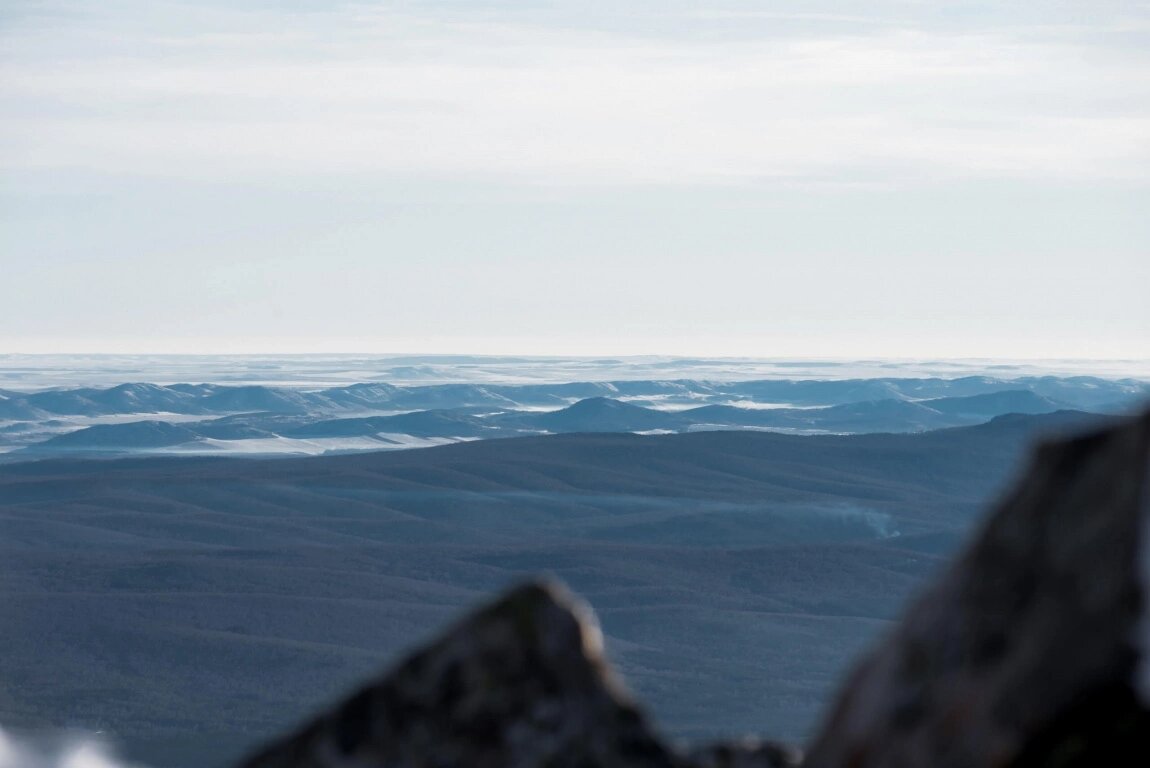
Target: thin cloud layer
[826,177]
[218,93]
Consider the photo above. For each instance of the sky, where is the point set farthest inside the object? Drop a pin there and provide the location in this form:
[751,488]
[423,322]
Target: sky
[818,178]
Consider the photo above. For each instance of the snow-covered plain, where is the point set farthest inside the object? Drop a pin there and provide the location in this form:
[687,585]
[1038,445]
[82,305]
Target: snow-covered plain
[32,372]
[273,446]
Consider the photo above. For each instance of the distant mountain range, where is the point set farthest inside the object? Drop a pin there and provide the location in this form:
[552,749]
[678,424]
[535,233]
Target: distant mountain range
[262,420]
[196,399]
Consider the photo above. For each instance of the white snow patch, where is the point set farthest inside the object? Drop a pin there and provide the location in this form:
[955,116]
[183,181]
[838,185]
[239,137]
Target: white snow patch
[410,441]
[753,405]
[741,428]
[60,752]
[123,418]
[267,446]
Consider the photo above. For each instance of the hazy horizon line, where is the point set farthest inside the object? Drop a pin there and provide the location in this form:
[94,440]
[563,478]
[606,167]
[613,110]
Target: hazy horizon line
[573,355]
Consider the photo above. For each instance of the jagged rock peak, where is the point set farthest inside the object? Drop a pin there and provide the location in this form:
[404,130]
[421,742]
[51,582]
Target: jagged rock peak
[1034,648]
[520,684]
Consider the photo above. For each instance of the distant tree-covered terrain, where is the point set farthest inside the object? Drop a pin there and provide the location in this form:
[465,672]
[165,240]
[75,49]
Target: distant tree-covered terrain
[191,606]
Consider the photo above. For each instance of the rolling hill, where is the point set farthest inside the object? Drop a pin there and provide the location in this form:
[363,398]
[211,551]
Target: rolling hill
[290,429]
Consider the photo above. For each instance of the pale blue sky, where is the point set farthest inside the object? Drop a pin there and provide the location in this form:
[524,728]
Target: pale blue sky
[790,178]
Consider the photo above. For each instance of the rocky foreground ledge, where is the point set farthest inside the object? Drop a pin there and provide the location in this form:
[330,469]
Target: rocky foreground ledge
[1032,650]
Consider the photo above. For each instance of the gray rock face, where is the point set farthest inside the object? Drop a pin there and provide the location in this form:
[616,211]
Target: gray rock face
[521,684]
[1031,650]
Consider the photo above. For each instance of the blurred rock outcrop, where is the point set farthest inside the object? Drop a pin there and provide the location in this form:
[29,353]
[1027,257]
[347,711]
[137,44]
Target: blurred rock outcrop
[1032,650]
[520,684]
